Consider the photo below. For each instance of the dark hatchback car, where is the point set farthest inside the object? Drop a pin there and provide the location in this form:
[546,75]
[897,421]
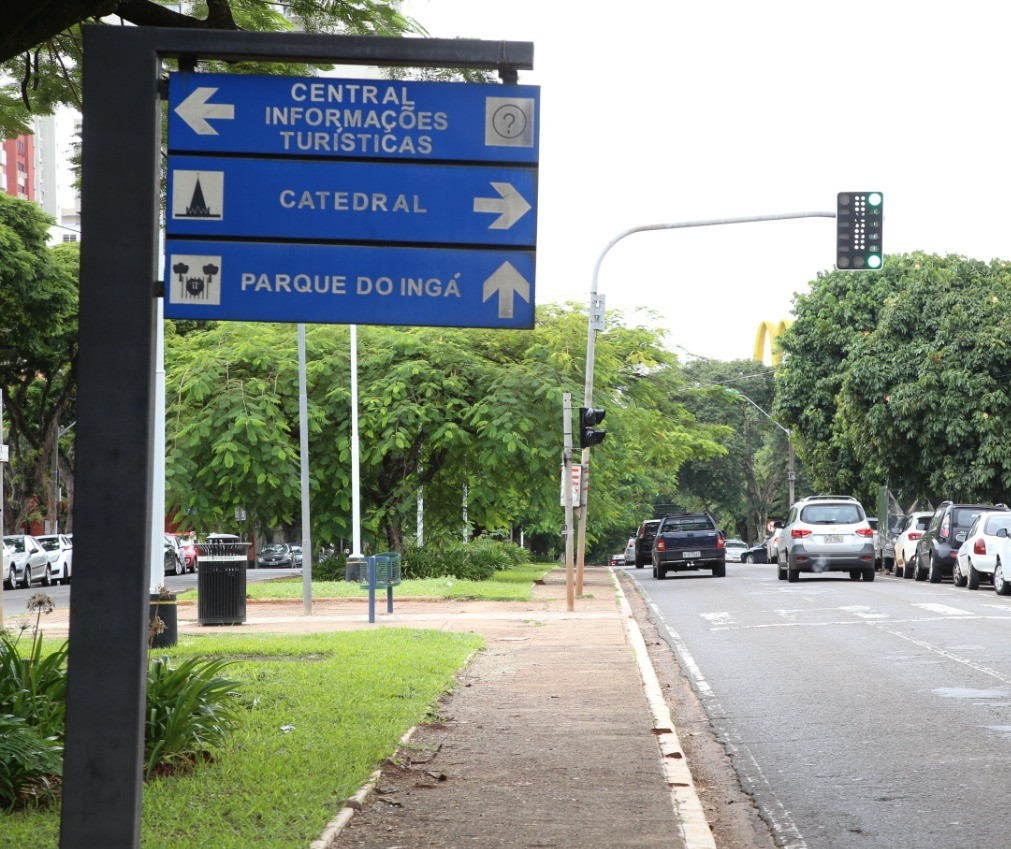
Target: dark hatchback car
[276,556]
[937,549]
[644,542]
[756,554]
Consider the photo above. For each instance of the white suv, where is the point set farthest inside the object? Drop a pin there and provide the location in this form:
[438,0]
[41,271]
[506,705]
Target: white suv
[826,533]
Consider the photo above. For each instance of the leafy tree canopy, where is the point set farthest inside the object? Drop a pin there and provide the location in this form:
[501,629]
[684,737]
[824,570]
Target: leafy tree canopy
[901,377]
[41,47]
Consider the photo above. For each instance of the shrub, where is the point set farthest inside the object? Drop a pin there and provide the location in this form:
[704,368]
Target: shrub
[29,763]
[475,561]
[33,685]
[329,566]
[191,710]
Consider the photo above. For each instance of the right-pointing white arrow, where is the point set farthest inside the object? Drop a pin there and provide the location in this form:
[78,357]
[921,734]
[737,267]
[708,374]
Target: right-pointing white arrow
[195,110]
[511,206]
[506,282]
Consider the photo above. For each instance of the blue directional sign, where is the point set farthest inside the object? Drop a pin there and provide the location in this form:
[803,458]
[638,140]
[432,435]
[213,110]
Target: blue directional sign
[351,201]
[313,200]
[345,284]
[352,119]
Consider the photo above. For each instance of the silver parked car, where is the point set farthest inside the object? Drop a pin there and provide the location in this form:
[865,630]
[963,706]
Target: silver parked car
[27,562]
[61,555]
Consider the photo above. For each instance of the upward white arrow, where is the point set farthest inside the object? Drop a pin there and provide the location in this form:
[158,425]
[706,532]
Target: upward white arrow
[506,282]
[510,205]
[195,110]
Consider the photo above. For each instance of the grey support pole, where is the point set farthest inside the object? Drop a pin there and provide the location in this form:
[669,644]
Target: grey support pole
[115,436]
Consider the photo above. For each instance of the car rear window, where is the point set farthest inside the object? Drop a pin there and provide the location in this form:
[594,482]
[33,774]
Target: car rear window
[831,514]
[965,516]
[922,522]
[997,521]
[688,524]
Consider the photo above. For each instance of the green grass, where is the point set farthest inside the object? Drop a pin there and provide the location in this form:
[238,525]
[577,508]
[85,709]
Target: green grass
[345,699]
[513,584]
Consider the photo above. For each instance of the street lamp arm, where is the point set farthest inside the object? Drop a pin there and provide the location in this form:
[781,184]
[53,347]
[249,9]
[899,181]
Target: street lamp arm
[763,412]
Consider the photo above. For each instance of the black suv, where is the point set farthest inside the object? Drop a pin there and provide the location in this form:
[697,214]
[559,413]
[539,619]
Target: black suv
[644,542]
[938,548]
[689,541]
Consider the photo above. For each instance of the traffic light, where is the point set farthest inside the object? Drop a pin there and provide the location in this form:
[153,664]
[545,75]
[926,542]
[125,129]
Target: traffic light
[858,231]
[588,433]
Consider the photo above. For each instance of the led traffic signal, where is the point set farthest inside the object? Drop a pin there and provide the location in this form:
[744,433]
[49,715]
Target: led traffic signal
[588,432]
[858,231]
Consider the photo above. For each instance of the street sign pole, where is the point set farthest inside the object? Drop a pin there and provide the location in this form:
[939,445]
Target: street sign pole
[120,284]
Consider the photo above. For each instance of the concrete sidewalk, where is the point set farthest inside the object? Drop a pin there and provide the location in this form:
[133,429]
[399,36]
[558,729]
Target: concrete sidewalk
[556,736]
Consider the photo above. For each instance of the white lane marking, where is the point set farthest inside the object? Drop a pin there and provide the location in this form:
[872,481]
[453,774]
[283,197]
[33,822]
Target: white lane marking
[947,655]
[720,620]
[788,836]
[943,609]
[865,612]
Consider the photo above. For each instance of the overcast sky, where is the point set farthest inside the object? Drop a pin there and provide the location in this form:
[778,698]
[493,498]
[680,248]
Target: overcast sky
[663,111]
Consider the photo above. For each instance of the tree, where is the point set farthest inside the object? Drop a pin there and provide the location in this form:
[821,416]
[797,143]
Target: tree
[41,47]
[439,408]
[901,377]
[747,485]
[840,309]
[38,352]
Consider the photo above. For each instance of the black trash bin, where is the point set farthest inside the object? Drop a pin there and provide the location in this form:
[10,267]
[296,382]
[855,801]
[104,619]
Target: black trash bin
[221,583]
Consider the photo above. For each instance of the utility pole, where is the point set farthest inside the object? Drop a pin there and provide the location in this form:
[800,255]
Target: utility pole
[791,471]
[570,597]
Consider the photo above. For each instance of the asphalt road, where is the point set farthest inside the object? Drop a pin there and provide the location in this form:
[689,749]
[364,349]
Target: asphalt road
[14,601]
[857,714]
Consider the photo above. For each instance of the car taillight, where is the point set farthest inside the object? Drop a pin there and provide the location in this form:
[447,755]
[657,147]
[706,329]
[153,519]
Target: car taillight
[797,533]
[979,547]
[865,532]
[660,545]
[720,542]
[915,536]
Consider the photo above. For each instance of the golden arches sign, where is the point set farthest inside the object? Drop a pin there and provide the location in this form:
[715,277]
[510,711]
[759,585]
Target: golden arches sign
[770,330]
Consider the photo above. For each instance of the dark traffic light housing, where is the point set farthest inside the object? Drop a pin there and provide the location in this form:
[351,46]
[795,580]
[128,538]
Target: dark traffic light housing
[588,432]
[858,231]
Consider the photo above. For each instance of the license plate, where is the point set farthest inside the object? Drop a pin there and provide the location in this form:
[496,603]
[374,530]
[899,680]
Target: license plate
[688,555]
[830,538]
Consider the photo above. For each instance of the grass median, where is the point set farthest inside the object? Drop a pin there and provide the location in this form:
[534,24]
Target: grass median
[320,713]
[513,584]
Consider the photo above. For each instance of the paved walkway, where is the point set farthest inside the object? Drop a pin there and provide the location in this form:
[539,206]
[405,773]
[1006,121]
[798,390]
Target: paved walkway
[557,735]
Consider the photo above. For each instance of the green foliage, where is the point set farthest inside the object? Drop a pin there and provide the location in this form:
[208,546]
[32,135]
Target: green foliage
[473,561]
[28,763]
[33,683]
[191,711]
[902,377]
[440,409]
[41,55]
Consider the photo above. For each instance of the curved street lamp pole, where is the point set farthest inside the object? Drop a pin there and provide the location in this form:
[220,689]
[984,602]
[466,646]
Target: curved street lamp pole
[595,321]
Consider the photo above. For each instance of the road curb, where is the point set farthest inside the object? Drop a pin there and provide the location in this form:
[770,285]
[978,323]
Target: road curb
[694,826]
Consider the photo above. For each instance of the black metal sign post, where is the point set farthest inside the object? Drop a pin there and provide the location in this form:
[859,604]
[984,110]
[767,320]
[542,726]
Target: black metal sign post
[115,423]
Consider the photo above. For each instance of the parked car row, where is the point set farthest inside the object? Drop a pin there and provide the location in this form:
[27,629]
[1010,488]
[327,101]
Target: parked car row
[46,560]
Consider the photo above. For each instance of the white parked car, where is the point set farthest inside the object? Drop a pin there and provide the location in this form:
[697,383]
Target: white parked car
[61,555]
[978,555]
[630,551]
[735,548]
[27,562]
[912,528]
[772,546]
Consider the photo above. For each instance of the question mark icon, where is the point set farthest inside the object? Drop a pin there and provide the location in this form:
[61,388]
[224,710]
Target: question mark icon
[509,121]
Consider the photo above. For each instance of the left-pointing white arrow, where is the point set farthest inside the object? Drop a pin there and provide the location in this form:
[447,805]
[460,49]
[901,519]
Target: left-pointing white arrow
[195,111]
[510,205]
[506,282]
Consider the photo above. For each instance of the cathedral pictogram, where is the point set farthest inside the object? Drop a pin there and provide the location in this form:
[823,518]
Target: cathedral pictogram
[198,194]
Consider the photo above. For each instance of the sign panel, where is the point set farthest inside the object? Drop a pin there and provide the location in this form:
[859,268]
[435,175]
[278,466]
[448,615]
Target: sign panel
[352,119]
[349,284]
[314,200]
